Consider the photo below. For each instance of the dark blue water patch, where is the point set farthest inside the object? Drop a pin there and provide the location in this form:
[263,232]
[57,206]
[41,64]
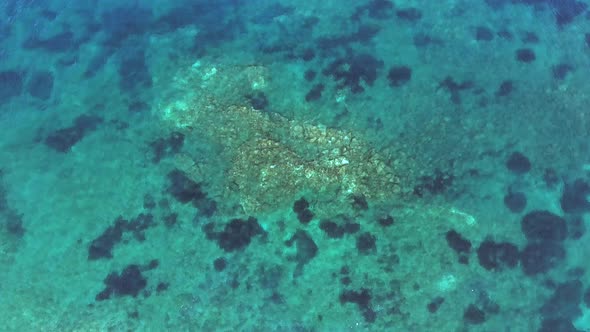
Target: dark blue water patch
[11,85]
[61,42]
[11,221]
[62,140]
[525,55]
[483,33]
[121,22]
[185,190]
[133,71]
[40,85]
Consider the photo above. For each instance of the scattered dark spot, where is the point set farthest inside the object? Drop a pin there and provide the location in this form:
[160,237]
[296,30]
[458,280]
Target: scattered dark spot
[354,71]
[162,286]
[307,55]
[98,61]
[386,221]
[474,315]
[544,226]
[62,140]
[335,231]
[219,264]
[565,301]
[310,75]
[435,304]
[359,202]
[550,177]
[541,257]
[133,71]
[315,93]
[184,189]
[557,325]
[149,202]
[505,89]
[258,100]
[365,243]
[399,75]
[170,220]
[561,70]
[166,147]
[409,14]
[11,85]
[587,39]
[435,184]
[61,42]
[13,221]
[119,23]
[574,198]
[518,163]
[102,246]
[40,85]
[362,299]
[457,242]
[236,235]
[515,201]
[530,37]
[483,34]
[423,39]
[300,205]
[270,276]
[497,257]
[138,106]
[377,9]
[576,228]
[306,250]
[129,283]
[525,55]
[305,216]
[454,88]
[505,34]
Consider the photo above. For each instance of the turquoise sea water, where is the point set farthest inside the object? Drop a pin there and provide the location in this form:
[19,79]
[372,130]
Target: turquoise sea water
[342,165]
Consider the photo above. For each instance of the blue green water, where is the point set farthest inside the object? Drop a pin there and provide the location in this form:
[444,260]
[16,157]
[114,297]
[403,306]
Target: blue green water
[290,165]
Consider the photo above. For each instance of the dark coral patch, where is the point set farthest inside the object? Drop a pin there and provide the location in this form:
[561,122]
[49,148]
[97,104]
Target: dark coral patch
[515,201]
[62,140]
[541,257]
[236,235]
[543,225]
[574,198]
[128,283]
[11,85]
[496,256]
[399,75]
[354,72]
[166,146]
[518,163]
[40,85]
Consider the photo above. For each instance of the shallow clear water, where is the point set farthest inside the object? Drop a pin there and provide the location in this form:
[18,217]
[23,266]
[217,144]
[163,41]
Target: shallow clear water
[294,165]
